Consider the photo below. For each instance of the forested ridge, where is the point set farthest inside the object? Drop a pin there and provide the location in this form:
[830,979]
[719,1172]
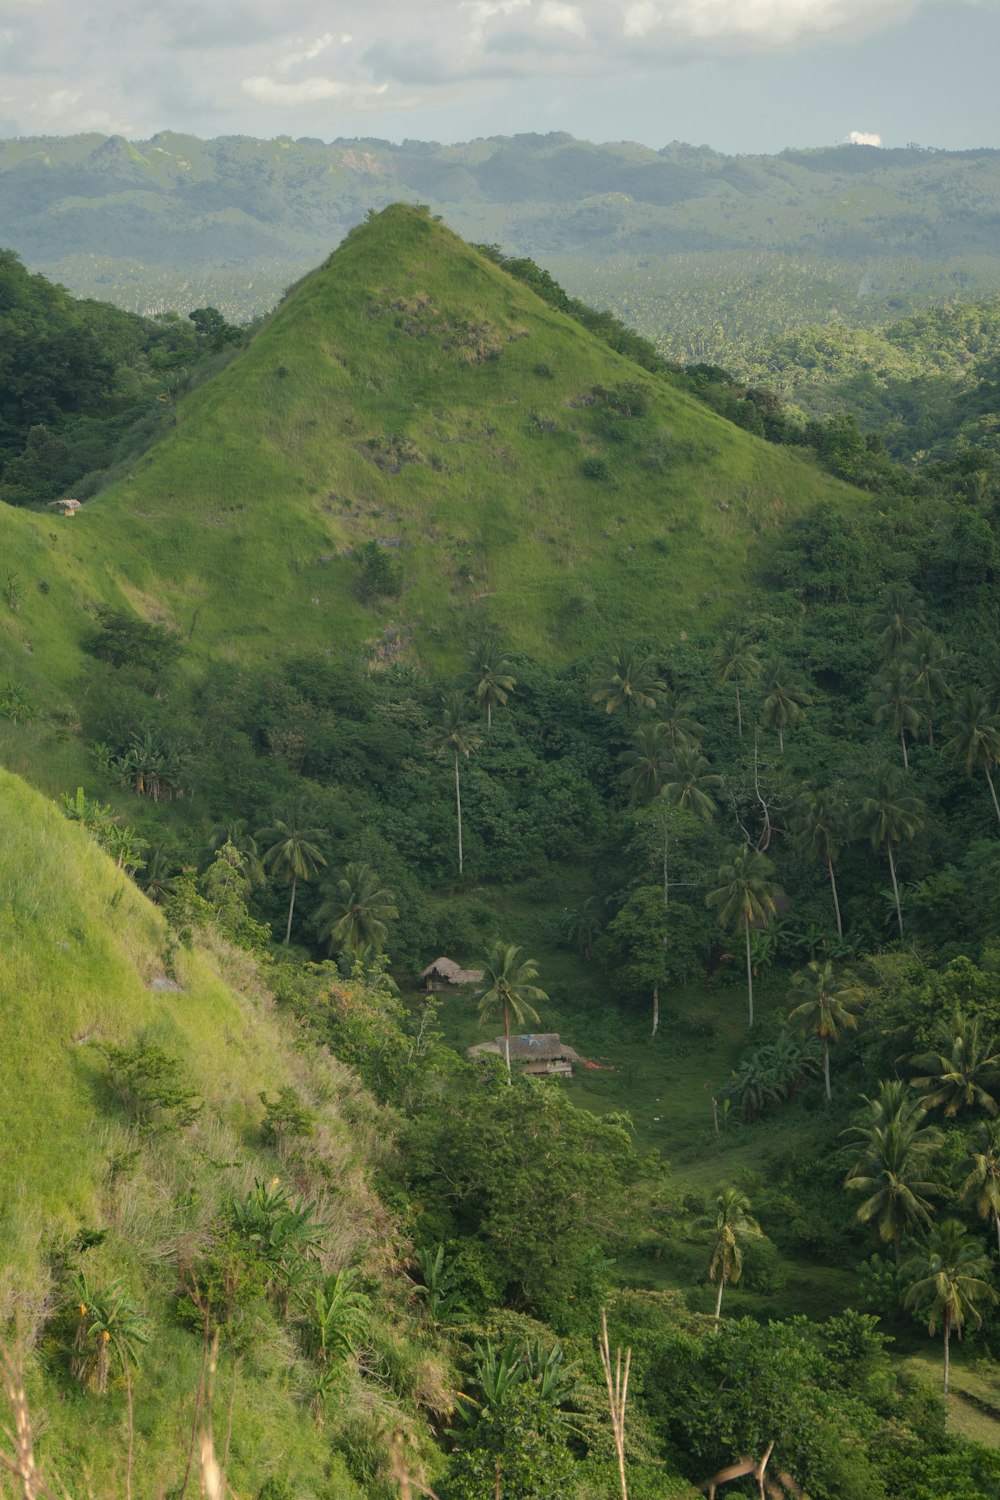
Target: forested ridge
[745,862]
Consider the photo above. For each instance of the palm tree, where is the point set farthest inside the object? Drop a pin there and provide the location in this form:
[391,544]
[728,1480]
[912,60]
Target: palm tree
[689,781]
[357,916]
[931,665]
[292,853]
[630,679]
[738,662]
[892,702]
[677,720]
[644,764]
[975,737]
[745,897]
[982,1186]
[733,1225]
[458,737]
[947,1278]
[785,702]
[888,815]
[490,676]
[825,1008]
[960,1075]
[509,989]
[893,1167]
[899,617]
[819,826]
[238,834]
[581,926]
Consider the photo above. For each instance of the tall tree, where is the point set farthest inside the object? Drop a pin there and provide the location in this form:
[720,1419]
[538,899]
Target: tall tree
[458,738]
[678,721]
[738,663]
[644,763]
[826,1006]
[292,851]
[745,897]
[894,1167]
[963,1072]
[509,990]
[819,824]
[630,679]
[689,782]
[948,1277]
[357,913]
[932,665]
[888,815]
[897,620]
[785,700]
[733,1225]
[893,702]
[491,677]
[982,1186]
[975,737]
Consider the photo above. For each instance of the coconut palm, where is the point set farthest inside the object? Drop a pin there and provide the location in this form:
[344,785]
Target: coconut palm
[677,720]
[948,1277]
[964,1073]
[745,897]
[894,1164]
[630,679]
[581,926]
[975,737]
[490,676]
[644,763]
[898,619]
[458,738]
[893,702]
[238,834]
[931,665]
[738,663]
[733,1225]
[292,852]
[509,990]
[982,1186]
[819,824]
[785,701]
[825,1008]
[888,815]
[355,917]
[689,781]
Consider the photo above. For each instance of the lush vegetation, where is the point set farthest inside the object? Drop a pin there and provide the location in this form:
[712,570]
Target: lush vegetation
[743,855]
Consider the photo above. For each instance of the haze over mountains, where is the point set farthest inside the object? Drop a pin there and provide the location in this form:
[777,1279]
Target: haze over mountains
[701,251]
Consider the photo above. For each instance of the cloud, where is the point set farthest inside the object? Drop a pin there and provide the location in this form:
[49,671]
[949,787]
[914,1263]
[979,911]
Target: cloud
[312,91]
[308,52]
[863,138]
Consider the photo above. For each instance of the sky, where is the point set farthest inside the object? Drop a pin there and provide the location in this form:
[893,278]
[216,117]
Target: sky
[737,75]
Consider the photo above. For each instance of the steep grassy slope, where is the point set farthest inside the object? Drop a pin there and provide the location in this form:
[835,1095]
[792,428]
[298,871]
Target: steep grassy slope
[82,963]
[410,393]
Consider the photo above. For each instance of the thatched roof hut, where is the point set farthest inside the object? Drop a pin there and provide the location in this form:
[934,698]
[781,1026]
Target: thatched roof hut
[446,974]
[542,1053]
[65,507]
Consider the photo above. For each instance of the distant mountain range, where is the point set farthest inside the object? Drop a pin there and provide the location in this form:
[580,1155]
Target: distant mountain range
[707,254]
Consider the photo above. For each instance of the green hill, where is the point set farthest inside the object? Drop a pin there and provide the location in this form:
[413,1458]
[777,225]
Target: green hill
[411,394]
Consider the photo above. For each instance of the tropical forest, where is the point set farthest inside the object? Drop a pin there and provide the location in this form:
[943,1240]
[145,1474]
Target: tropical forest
[499,884]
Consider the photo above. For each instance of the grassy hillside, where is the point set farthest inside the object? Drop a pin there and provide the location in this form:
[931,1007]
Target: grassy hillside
[86,1190]
[411,394]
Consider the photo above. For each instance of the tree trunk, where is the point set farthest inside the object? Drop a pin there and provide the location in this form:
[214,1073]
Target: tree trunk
[836,898]
[826,1068]
[656,1008]
[718,1299]
[895,885]
[947,1342]
[506,1040]
[746,931]
[739,708]
[131,1424]
[781,738]
[458,811]
[993,791]
[489,714]
[996,1220]
[291,908]
[902,741]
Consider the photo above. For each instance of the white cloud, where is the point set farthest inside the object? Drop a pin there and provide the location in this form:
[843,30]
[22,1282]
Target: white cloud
[863,138]
[306,53]
[640,18]
[312,91]
[562,17]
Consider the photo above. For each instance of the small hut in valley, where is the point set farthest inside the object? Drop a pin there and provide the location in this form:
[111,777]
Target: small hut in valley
[542,1054]
[445,974]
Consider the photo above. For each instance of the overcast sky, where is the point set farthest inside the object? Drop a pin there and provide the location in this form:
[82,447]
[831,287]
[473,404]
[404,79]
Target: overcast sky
[739,75]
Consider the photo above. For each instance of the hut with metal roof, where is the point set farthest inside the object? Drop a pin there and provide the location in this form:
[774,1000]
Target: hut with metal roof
[541,1053]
